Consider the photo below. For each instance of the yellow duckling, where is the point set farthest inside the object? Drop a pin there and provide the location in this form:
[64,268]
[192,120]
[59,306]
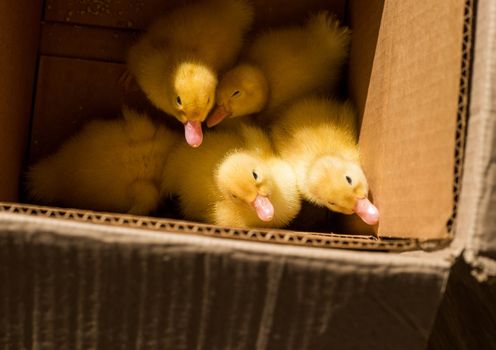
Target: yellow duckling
[318,137]
[176,62]
[282,65]
[110,165]
[234,180]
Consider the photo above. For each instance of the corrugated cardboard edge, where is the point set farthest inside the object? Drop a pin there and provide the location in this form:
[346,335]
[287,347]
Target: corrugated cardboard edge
[476,224]
[309,239]
[463,105]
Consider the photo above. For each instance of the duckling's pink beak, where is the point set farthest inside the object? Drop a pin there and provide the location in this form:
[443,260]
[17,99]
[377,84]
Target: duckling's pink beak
[193,133]
[218,115]
[366,211]
[264,208]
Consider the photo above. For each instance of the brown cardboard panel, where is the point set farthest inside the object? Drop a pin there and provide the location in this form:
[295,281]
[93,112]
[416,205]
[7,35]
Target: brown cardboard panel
[76,286]
[68,40]
[69,93]
[19,31]
[408,129]
[137,14]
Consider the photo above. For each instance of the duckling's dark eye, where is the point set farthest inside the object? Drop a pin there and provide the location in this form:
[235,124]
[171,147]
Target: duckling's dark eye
[350,181]
[178,101]
[331,203]
[234,196]
[235,93]
[255,175]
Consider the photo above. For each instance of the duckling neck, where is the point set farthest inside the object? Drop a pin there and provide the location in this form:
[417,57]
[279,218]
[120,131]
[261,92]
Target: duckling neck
[285,196]
[302,168]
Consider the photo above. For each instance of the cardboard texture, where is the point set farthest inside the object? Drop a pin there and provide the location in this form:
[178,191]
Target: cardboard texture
[467,317]
[138,14]
[61,111]
[64,40]
[407,134]
[73,286]
[476,225]
[18,45]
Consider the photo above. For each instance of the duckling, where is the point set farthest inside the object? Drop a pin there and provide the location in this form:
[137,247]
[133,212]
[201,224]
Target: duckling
[282,65]
[177,61]
[319,138]
[243,183]
[110,165]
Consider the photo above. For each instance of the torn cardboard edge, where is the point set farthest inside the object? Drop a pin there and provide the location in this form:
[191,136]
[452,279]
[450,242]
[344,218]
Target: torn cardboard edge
[300,238]
[482,268]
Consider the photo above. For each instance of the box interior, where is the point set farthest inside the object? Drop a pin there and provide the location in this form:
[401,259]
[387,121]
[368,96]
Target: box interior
[62,60]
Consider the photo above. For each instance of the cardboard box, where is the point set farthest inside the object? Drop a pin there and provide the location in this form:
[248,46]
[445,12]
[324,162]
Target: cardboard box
[409,160]
[80,279]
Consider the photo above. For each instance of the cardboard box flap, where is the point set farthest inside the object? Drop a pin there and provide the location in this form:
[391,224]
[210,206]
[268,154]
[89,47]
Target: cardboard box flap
[409,119]
[476,225]
[85,286]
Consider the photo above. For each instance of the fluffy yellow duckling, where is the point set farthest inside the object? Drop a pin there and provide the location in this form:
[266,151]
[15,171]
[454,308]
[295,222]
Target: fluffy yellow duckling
[111,165]
[176,62]
[235,179]
[281,65]
[318,137]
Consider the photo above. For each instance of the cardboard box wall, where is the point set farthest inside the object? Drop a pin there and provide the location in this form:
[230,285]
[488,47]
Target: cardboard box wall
[84,286]
[467,315]
[466,318]
[71,285]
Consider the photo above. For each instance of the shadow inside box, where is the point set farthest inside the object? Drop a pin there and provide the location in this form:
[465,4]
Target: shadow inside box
[169,209]
[318,219]
[310,219]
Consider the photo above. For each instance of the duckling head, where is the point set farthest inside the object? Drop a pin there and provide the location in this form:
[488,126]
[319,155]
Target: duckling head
[242,91]
[341,186]
[194,88]
[245,181]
